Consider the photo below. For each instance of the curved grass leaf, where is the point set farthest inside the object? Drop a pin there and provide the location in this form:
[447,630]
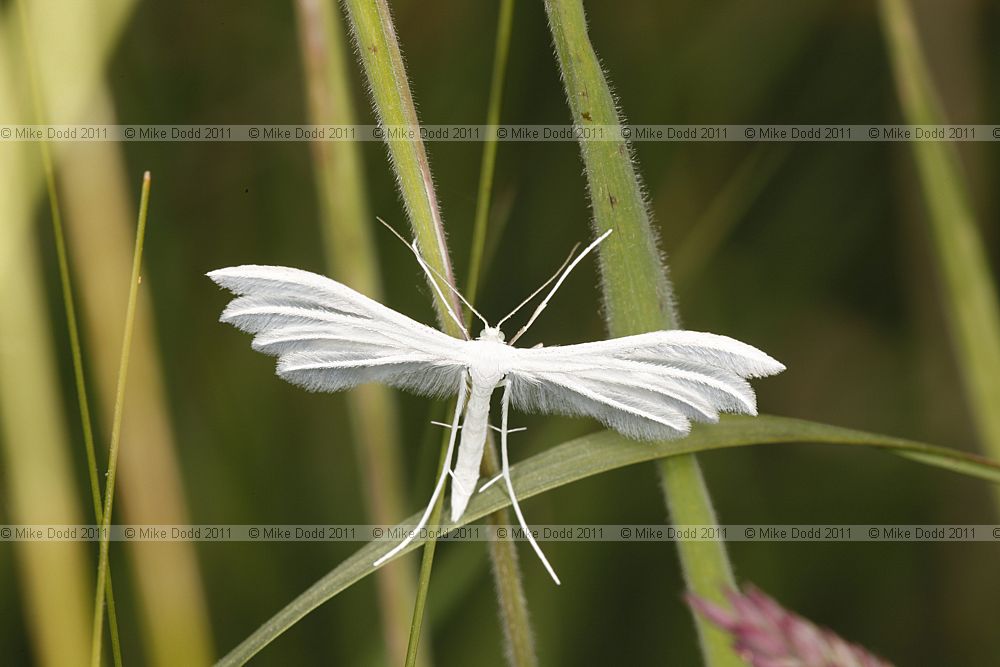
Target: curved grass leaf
[601,452]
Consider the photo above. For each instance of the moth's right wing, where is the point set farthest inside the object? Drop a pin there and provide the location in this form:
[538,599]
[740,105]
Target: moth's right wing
[327,337]
[647,387]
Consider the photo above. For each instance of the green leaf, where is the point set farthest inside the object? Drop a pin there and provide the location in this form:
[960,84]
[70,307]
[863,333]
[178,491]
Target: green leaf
[600,452]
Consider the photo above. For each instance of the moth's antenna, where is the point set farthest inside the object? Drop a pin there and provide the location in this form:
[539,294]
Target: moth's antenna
[543,286]
[545,301]
[448,285]
[430,275]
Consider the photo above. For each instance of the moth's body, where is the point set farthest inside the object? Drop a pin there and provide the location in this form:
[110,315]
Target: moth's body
[327,337]
[489,360]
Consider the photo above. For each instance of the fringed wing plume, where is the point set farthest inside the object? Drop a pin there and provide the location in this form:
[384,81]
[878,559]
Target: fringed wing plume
[327,337]
[647,387]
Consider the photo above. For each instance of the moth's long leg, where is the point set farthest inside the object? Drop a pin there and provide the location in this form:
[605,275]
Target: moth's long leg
[456,482]
[459,406]
[490,483]
[504,408]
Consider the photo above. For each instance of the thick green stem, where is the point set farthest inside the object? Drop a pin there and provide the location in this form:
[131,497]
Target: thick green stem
[705,563]
[637,292]
[378,51]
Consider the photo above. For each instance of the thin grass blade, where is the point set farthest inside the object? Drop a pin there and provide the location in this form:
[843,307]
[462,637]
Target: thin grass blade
[109,489]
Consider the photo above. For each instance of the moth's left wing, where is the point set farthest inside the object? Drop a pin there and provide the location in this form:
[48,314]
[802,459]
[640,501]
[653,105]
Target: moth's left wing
[647,387]
[328,337]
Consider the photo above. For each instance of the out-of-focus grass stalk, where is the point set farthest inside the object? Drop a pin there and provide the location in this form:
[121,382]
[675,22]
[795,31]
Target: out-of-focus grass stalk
[725,211]
[74,40]
[116,431]
[971,305]
[505,20]
[64,275]
[637,293]
[382,61]
[39,483]
[71,324]
[352,258]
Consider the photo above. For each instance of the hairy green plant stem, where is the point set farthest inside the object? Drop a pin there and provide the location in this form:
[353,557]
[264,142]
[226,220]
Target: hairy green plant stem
[352,258]
[72,328]
[382,61]
[637,293]
[380,56]
[109,488]
[971,305]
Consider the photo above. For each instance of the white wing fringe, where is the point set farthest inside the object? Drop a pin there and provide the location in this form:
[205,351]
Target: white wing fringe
[328,337]
[647,387]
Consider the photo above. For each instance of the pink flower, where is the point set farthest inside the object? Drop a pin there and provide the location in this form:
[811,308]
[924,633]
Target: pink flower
[767,635]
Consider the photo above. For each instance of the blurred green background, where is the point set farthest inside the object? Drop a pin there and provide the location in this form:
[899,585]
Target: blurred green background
[822,259]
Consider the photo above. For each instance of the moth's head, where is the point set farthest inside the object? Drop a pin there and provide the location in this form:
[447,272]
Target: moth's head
[492,334]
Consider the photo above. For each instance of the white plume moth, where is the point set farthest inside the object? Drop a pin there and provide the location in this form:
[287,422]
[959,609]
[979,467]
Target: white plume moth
[327,337]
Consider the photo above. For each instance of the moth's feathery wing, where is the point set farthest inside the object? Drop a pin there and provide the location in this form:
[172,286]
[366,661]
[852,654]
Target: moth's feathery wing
[328,337]
[648,386]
